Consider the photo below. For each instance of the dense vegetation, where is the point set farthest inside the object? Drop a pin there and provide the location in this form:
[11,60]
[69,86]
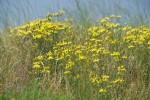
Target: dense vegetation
[52,59]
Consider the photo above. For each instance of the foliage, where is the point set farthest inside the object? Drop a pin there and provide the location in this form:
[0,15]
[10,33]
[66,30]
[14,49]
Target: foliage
[103,63]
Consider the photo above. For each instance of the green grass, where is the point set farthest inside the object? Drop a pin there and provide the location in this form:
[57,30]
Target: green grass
[31,91]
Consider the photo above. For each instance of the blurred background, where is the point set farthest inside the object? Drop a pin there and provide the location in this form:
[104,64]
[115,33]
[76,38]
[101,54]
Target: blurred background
[17,12]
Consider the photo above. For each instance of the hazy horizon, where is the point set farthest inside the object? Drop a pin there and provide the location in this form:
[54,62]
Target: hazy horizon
[19,11]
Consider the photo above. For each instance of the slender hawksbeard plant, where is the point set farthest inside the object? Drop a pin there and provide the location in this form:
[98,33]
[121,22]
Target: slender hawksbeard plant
[104,65]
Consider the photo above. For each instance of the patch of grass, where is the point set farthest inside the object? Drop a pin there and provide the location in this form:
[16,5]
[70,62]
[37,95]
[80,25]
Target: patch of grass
[31,91]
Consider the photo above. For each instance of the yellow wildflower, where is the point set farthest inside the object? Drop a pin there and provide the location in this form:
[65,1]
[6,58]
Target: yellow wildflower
[81,57]
[121,69]
[102,90]
[105,78]
[67,72]
[124,57]
[130,46]
[118,80]
[40,57]
[115,54]
[36,66]
[46,69]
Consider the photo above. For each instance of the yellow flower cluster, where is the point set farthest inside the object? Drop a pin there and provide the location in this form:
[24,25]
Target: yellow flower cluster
[102,90]
[39,67]
[121,69]
[137,36]
[104,48]
[43,32]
